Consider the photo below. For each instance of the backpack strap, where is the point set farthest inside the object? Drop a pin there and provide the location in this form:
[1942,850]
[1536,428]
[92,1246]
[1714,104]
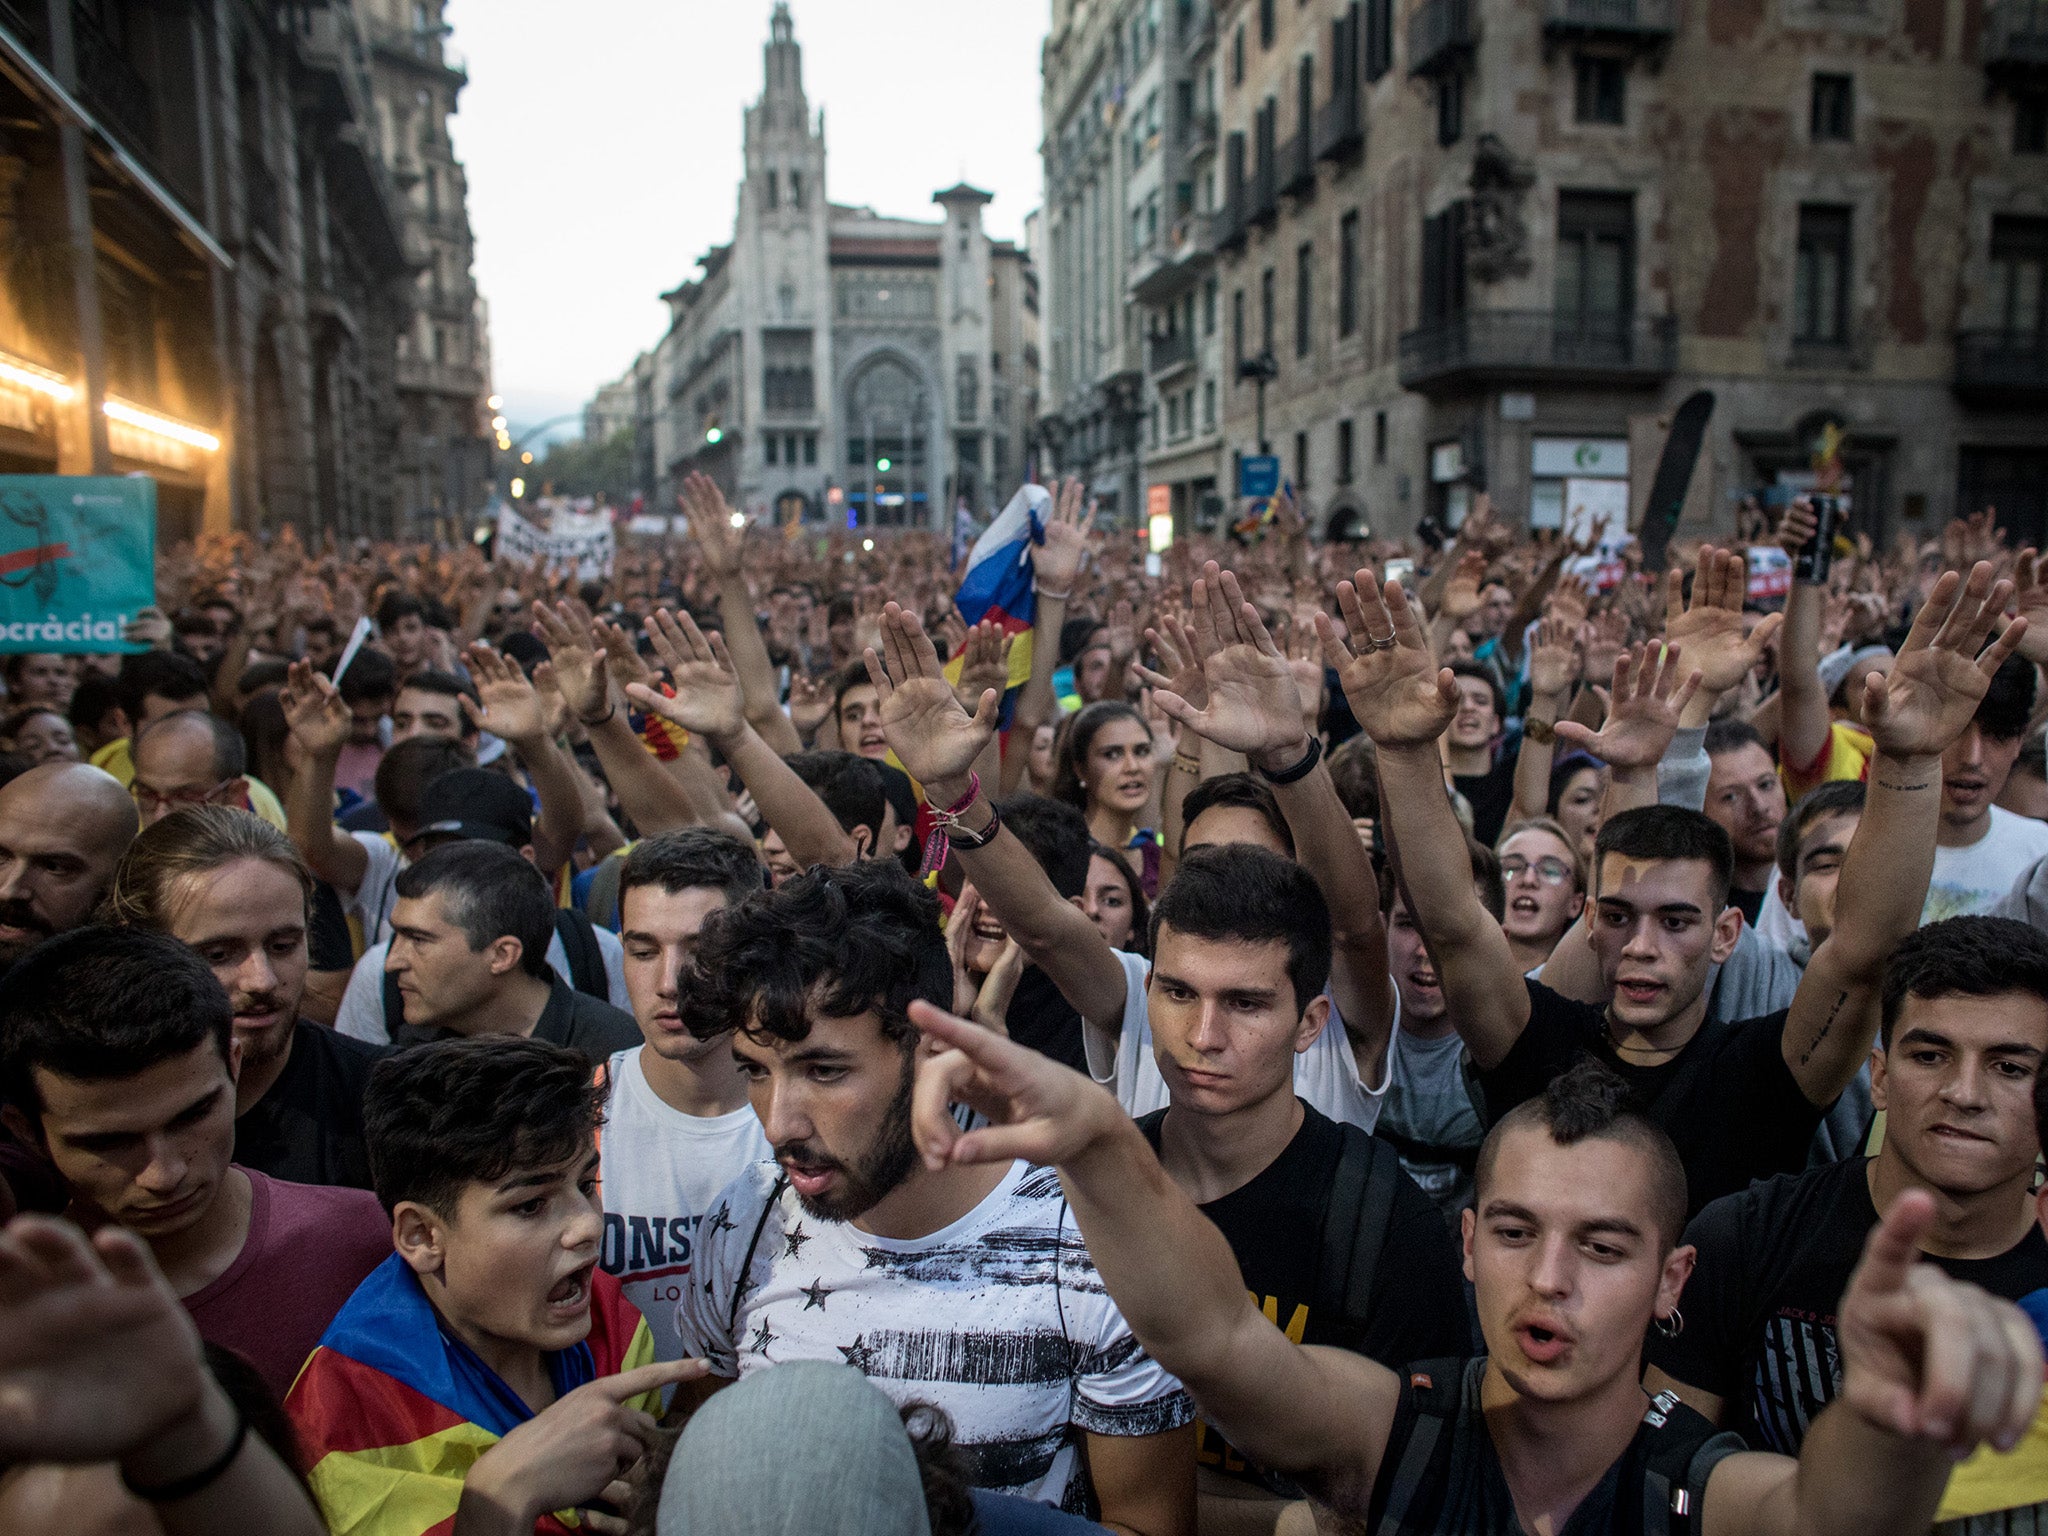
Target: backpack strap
[739,1287]
[1466,1159]
[1433,1392]
[1355,1223]
[1682,1451]
[586,959]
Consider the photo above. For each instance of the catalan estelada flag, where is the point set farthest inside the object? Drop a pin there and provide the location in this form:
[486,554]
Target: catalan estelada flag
[1000,584]
[392,1410]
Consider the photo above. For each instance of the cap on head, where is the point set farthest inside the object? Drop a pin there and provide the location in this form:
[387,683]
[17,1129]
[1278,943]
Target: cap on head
[477,803]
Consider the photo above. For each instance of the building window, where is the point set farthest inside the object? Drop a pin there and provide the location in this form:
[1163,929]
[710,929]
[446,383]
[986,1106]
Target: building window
[1300,462]
[1450,108]
[1834,109]
[1268,291]
[1304,298]
[796,189]
[770,443]
[1344,452]
[1601,89]
[2019,277]
[1595,261]
[1236,332]
[1443,265]
[1379,437]
[772,192]
[1379,38]
[1208,405]
[1209,307]
[1173,415]
[2030,123]
[1237,57]
[810,447]
[1347,274]
[1265,23]
[1820,283]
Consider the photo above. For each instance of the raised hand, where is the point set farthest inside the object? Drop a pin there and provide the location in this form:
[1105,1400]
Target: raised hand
[1603,639]
[511,705]
[1570,600]
[1254,706]
[1929,1357]
[1461,594]
[1798,526]
[710,516]
[2030,598]
[1069,536]
[623,660]
[1180,655]
[810,703]
[1709,628]
[580,666]
[707,700]
[935,739]
[985,664]
[1554,659]
[1397,692]
[1938,678]
[1649,695]
[1037,1108]
[314,712]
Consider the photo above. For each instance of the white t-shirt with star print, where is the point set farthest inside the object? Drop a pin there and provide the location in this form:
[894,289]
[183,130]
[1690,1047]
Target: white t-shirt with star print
[999,1318]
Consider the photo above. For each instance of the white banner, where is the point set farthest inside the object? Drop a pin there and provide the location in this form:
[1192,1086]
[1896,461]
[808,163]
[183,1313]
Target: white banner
[588,542]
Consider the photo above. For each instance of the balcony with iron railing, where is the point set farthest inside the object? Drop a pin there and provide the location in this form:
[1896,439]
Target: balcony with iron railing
[1493,346]
[1441,34]
[1169,353]
[1639,21]
[1232,219]
[1296,162]
[1264,206]
[2015,38]
[1172,264]
[2002,366]
[1340,125]
[1198,135]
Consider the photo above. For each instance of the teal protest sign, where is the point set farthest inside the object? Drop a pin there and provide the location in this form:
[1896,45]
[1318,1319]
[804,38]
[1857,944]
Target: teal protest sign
[77,560]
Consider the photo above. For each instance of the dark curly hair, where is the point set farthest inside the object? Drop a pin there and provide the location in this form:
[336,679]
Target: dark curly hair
[847,939]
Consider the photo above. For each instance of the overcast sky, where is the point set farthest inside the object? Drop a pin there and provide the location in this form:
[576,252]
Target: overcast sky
[602,142]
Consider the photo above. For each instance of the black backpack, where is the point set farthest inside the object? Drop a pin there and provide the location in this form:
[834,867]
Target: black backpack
[1684,1448]
[579,942]
[1355,1224]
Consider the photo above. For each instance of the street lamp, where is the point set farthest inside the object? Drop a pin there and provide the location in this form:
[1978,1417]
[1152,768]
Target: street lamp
[1261,370]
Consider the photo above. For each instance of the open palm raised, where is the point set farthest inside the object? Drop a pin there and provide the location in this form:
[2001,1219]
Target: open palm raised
[1397,692]
[932,736]
[1938,679]
[707,698]
[1253,705]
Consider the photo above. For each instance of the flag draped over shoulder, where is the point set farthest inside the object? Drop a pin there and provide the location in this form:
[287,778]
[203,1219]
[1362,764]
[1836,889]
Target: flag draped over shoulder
[391,1412]
[1000,583]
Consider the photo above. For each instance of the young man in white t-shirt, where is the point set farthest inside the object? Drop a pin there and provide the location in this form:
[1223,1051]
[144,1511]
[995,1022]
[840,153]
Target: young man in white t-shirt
[677,1126]
[1981,850]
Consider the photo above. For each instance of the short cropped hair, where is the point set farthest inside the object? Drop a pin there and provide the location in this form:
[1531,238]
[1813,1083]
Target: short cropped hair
[99,1003]
[1669,832]
[693,858]
[1240,790]
[370,676]
[1243,894]
[1963,957]
[396,605]
[442,1116]
[404,772]
[1589,1102]
[1731,735]
[1836,797]
[1056,835]
[230,752]
[166,674]
[849,939]
[488,891]
[2009,701]
[448,685]
[851,787]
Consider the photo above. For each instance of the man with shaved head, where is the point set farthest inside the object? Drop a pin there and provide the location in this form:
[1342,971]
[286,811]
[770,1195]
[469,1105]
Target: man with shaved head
[63,828]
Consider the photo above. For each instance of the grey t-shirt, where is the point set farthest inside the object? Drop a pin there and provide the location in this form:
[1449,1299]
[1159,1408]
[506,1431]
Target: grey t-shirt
[1429,1116]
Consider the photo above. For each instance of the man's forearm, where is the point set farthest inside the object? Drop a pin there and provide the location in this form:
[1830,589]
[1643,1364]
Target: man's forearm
[560,821]
[1890,860]
[329,852]
[1434,866]
[1533,760]
[1328,847]
[1802,705]
[655,801]
[749,654]
[1855,1479]
[809,831]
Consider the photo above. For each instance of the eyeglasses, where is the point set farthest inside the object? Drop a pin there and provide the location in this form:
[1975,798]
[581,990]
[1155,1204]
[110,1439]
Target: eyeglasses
[1549,871]
[154,800]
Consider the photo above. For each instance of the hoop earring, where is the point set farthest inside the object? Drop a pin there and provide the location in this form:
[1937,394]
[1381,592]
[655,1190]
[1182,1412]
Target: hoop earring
[1671,1327]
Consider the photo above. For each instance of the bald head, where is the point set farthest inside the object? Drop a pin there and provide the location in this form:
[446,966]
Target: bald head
[63,828]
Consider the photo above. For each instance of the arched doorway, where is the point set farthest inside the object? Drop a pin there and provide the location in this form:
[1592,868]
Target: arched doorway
[888,456]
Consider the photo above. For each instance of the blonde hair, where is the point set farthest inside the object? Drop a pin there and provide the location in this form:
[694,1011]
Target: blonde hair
[1556,830]
[192,840]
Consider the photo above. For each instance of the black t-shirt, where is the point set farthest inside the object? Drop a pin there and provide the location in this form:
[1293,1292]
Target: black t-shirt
[1491,795]
[1760,1306]
[1274,1225]
[1045,1021]
[1728,1100]
[575,1019]
[329,945]
[1750,903]
[1461,1490]
[309,1128]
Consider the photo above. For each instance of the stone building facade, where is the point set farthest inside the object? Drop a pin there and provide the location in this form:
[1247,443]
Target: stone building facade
[1493,243]
[235,332]
[832,362]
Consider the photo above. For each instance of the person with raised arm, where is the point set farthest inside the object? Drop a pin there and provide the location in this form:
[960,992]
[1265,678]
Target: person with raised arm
[1741,1099]
[1574,1250]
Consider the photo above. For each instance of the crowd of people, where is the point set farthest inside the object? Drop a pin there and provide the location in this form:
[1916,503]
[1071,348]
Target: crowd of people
[1539,1045]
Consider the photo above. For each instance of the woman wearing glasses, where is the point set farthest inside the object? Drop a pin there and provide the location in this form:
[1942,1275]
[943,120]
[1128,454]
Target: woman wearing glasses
[1545,885]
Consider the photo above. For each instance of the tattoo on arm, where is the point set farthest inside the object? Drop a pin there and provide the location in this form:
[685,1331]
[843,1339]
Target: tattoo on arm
[1806,1055]
[1904,789]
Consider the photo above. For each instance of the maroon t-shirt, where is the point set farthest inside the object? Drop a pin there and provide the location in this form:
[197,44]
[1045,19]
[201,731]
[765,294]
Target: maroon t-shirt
[309,1247]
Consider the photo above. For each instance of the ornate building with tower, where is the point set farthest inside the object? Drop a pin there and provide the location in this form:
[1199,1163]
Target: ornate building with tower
[829,361]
